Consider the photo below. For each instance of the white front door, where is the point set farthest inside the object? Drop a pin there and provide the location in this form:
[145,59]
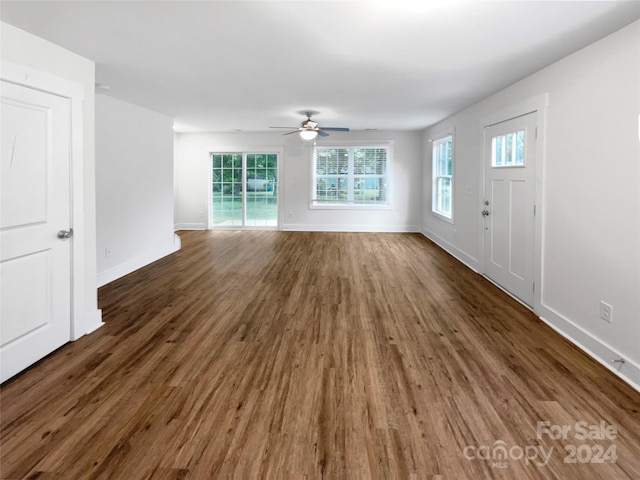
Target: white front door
[35,264]
[509,205]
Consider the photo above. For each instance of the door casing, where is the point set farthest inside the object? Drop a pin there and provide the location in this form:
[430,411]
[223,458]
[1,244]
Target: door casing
[82,320]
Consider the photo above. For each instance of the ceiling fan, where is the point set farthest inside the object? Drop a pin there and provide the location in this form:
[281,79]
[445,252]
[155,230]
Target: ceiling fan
[309,129]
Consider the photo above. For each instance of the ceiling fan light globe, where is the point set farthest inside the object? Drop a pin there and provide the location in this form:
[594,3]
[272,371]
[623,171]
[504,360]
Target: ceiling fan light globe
[308,134]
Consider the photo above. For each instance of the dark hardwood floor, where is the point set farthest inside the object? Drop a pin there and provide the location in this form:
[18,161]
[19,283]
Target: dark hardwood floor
[310,355]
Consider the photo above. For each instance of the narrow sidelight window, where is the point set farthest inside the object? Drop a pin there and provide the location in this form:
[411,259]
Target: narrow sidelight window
[442,201]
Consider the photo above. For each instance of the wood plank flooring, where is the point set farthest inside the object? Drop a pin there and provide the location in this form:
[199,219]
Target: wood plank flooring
[311,355]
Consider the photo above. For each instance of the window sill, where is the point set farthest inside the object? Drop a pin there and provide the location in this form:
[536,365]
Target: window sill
[442,217]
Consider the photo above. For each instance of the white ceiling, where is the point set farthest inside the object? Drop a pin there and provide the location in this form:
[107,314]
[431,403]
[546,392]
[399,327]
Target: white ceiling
[248,65]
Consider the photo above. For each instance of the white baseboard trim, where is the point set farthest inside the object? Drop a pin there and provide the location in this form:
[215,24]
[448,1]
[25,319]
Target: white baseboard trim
[629,371]
[190,226]
[89,322]
[452,250]
[177,242]
[138,262]
[94,321]
[303,227]
[595,348]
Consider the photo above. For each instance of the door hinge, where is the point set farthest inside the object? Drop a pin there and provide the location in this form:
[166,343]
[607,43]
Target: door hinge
[534,209]
[536,133]
[534,287]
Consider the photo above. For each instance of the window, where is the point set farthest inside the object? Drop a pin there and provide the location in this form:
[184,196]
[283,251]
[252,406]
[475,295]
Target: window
[350,176]
[508,150]
[244,189]
[442,202]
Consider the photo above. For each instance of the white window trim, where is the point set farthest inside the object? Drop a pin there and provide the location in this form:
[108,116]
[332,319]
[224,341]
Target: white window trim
[433,140]
[388,144]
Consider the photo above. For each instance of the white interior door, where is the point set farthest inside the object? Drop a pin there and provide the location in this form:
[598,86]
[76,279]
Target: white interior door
[509,205]
[35,264]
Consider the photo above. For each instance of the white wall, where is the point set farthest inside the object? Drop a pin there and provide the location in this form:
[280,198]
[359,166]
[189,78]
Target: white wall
[20,47]
[590,238]
[134,172]
[192,180]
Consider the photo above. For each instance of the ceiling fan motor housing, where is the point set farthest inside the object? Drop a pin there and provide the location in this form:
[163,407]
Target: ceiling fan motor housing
[308,124]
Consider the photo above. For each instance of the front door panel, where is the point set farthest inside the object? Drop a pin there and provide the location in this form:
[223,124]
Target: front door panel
[510,150]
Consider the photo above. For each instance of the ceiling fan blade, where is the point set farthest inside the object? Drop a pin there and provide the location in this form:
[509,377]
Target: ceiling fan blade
[289,133]
[336,129]
[322,133]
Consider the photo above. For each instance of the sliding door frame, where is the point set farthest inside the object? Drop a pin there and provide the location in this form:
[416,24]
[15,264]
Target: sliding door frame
[278,151]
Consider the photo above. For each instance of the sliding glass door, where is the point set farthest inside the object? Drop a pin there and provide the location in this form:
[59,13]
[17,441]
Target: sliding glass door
[226,182]
[244,190]
[261,190]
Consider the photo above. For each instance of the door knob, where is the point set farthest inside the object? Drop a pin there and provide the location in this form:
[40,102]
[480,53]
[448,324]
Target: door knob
[64,234]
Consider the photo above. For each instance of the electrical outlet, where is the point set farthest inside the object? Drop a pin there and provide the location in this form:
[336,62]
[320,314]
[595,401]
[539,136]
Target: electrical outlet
[606,312]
